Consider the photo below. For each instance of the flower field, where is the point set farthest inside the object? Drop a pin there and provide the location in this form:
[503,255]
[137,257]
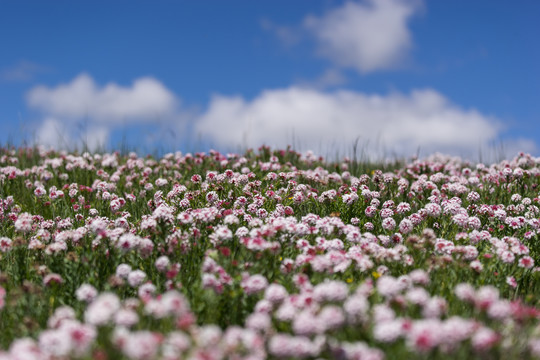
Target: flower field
[269,254]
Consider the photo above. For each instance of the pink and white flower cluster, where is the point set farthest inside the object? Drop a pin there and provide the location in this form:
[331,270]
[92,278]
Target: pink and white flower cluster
[275,254]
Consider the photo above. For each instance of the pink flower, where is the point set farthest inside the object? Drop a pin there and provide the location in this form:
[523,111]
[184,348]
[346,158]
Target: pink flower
[126,317]
[403,208]
[275,293]
[128,242]
[433,209]
[359,350]
[52,278]
[370,211]
[40,191]
[254,283]
[263,306]
[330,290]
[55,343]
[141,345]
[369,226]
[116,204]
[61,314]
[473,196]
[484,338]
[405,226]
[382,313]
[388,223]
[5,244]
[331,317]
[507,257]
[465,291]
[298,197]
[208,336]
[417,296]
[154,308]
[123,270]
[162,263]
[419,277]
[81,336]
[305,323]
[175,344]
[350,199]
[476,266]
[136,277]
[259,321]
[526,262]
[102,309]
[435,307]
[474,223]
[210,281]
[286,346]
[175,303]
[356,308]
[485,296]
[386,212]
[86,292]
[455,330]
[461,219]
[500,309]
[424,335]
[161,182]
[388,286]
[388,331]
[146,290]
[510,280]
[24,223]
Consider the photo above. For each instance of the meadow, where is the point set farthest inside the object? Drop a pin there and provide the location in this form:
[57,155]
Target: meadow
[270,254]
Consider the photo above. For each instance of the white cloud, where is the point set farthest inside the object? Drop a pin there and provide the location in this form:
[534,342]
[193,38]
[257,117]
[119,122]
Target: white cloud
[392,124]
[287,35]
[368,35]
[99,109]
[82,113]
[145,100]
[330,78]
[53,133]
[22,71]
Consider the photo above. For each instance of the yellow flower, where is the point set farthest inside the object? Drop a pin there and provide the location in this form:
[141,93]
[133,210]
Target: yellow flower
[349,280]
[376,275]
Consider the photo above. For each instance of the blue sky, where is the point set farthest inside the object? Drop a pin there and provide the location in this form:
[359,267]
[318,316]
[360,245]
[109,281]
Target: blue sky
[399,76]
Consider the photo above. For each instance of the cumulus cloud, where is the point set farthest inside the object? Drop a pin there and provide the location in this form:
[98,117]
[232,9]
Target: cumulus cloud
[307,117]
[392,124]
[66,106]
[144,100]
[369,35]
